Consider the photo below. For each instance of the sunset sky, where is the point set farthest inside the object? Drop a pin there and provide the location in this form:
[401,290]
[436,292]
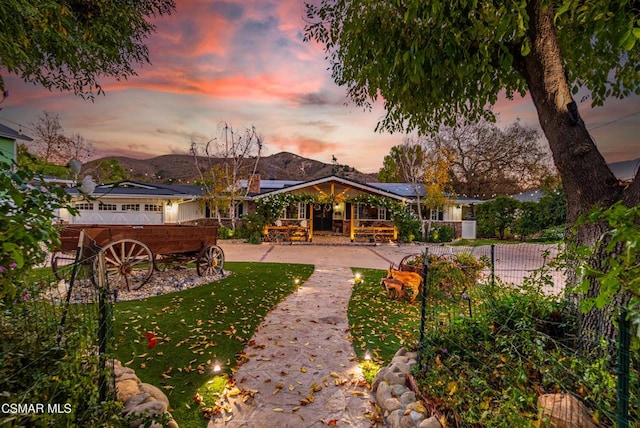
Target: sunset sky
[244,62]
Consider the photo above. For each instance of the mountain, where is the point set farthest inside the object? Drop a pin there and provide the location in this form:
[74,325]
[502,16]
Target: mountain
[177,169]
[625,170]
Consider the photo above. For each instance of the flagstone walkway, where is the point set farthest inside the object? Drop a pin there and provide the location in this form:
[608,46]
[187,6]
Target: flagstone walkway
[301,370]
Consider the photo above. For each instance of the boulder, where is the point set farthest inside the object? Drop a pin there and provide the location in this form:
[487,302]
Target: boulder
[563,411]
[126,389]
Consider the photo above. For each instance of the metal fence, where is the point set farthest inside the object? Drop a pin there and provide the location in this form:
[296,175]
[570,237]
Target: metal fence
[513,334]
[55,337]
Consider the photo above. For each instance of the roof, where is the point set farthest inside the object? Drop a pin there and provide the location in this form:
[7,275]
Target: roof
[11,133]
[302,184]
[533,195]
[136,189]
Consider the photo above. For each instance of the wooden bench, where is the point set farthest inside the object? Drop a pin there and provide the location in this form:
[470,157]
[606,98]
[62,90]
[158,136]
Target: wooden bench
[286,233]
[374,233]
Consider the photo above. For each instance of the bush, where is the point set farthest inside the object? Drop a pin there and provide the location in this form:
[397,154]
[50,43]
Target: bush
[441,233]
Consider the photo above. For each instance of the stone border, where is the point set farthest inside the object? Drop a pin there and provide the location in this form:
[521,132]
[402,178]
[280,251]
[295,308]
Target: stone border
[400,407]
[140,399]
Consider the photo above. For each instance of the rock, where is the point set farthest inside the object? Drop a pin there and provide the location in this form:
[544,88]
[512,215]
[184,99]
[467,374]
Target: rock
[126,389]
[401,352]
[411,420]
[431,422]
[128,376]
[379,378]
[408,397]
[398,390]
[393,420]
[383,393]
[155,392]
[391,404]
[150,408]
[416,407]
[563,411]
[395,378]
[135,401]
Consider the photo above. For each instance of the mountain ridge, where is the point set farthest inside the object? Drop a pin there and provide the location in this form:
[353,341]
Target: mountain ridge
[182,169]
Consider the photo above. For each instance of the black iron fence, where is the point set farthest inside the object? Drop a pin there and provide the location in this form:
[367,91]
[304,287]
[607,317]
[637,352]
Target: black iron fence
[55,338]
[500,331]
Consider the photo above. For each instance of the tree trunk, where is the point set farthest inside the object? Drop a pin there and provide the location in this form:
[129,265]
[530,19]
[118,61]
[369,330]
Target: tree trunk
[586,178]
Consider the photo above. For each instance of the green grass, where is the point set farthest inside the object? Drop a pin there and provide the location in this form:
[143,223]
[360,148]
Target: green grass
[379,324]
[196,327]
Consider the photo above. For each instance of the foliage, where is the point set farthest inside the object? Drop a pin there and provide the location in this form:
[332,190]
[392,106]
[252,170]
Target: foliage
[111,171]
[28,161]
[487,369]
[233,156]
[271,207]
[487,160]
[52,146]
[496,217]
[441,233]
[27,216]
[552,207]
[527,221]
[69,45]
[620,270]
[35,367]
[432,65]
[195,327]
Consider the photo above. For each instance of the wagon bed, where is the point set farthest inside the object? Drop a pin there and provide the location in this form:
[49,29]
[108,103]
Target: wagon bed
[132,252]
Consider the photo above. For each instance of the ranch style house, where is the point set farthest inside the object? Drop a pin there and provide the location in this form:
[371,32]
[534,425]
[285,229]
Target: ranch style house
[329,205]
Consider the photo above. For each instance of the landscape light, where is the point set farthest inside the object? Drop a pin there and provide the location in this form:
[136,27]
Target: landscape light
[367,355]
[217,367]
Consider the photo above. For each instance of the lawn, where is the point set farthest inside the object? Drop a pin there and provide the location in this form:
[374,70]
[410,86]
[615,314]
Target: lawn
[172,341]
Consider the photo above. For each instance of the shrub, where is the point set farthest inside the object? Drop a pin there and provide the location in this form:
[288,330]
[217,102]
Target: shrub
[441,233]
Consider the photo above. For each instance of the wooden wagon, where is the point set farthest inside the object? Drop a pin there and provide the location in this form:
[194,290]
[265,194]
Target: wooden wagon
[132,253]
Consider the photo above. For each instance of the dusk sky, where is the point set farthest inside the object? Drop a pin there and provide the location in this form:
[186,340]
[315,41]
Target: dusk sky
[244,62]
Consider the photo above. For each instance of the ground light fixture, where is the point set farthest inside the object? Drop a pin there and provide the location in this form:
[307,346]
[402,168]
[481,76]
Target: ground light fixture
[367,355]
[296,281]
[216,367]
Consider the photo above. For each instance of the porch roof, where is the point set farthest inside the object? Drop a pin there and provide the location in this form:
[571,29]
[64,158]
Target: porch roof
[290,186]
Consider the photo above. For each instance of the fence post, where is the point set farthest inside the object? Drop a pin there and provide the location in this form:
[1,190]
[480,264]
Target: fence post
[493,265]
[423,314]
[103,320]
[624,344]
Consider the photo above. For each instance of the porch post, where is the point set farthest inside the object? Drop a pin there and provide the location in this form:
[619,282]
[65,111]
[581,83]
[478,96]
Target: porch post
[352,234]
[310,221]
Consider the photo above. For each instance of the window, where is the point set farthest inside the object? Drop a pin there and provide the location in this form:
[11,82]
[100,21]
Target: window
[239,210]
[437,214]
[152,207]
[130,207]
[84,206]
[107,207]
[295,211]
[367,212]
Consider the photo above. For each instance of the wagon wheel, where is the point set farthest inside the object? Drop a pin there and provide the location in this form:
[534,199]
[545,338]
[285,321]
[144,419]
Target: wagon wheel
[129,263]
[210,261]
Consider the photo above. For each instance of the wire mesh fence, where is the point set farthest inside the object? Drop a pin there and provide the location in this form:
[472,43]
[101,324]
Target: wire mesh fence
[54,339]
[500,344]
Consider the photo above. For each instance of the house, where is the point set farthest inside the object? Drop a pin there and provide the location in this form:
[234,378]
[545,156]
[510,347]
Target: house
[130,202]
[332,204]
[9,145]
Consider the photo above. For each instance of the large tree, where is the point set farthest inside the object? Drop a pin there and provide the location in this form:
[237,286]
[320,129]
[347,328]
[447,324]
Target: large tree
[52,146]
[433,61]
[223,161]
[68,45]
[489,161]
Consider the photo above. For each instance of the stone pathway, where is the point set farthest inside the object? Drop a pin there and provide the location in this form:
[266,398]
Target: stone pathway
[301,370]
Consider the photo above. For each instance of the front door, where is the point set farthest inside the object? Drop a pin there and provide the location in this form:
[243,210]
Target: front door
[322,217]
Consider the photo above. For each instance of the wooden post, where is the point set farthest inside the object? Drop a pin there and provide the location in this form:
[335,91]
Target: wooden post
[310,222]
[352,228]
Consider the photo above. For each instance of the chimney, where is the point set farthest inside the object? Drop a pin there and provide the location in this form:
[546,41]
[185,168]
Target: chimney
[253,184]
